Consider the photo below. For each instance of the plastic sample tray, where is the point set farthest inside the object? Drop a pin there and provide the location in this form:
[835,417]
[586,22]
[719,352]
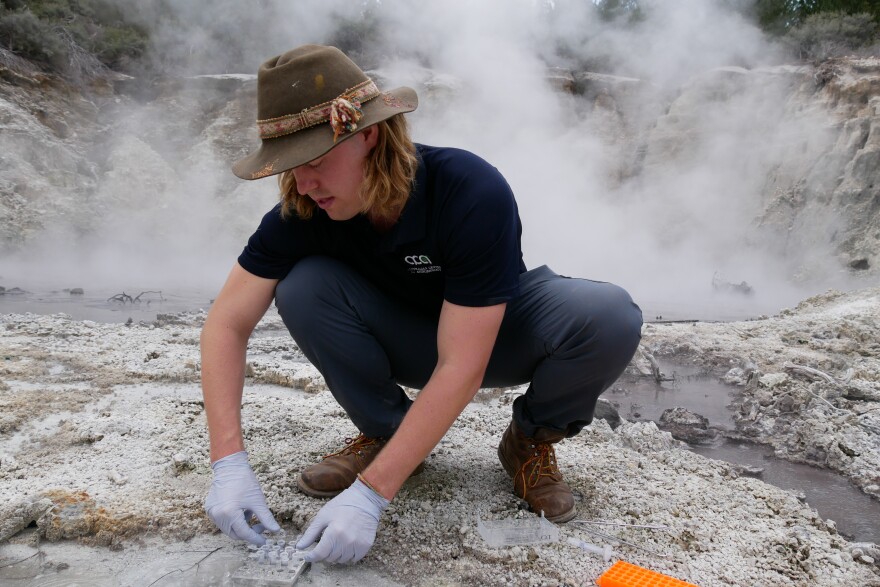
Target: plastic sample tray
[265,576]
[268,571]
[513,531]
[624,574]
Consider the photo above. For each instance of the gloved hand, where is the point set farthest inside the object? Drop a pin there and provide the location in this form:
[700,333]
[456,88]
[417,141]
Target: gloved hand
[235,496]
[349,522]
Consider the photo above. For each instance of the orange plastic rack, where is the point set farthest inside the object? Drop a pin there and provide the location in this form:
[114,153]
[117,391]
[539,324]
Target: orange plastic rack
[624,574]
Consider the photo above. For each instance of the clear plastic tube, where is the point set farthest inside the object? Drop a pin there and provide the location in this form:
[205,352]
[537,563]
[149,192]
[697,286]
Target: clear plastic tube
[605,551]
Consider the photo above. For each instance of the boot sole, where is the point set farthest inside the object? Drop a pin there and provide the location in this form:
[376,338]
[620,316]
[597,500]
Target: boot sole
[312,492]
[562,518]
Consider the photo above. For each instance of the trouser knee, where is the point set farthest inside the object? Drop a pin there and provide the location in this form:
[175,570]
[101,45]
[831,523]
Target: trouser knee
[588,332]
[619,325]
[340,322]
[299,294]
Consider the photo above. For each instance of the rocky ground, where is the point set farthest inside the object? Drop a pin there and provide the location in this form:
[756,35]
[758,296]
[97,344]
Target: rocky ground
[810,379]
[103,458]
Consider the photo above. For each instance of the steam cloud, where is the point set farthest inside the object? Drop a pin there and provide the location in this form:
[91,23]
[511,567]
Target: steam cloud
[661,220]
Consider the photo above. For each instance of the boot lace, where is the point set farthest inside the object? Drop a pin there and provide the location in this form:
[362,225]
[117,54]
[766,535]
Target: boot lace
[541,464]
[355,446]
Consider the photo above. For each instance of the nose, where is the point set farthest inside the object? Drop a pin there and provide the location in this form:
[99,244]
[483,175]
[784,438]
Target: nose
[306,179]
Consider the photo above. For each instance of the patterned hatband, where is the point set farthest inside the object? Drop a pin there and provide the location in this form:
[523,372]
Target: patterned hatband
[342,113]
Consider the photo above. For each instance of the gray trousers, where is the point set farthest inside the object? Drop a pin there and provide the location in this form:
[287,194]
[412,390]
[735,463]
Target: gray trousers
[570,339]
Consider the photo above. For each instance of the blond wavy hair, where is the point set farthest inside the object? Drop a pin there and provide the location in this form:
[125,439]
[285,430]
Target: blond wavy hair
[389,173]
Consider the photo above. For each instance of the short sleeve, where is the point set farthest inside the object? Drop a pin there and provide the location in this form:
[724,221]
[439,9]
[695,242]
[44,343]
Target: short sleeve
[275,247]
[481,232]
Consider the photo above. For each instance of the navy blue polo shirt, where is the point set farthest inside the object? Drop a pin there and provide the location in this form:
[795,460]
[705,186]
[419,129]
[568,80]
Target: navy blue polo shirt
[458,238]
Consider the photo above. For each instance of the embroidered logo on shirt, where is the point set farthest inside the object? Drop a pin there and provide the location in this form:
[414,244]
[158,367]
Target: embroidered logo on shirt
[421,264]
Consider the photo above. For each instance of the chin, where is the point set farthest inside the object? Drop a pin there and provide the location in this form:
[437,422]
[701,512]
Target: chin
[340,217]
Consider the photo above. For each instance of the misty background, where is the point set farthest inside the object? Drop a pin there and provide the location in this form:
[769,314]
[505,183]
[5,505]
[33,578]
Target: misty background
[658,177]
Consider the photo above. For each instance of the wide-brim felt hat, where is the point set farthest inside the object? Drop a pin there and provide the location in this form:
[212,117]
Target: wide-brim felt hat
[309,100]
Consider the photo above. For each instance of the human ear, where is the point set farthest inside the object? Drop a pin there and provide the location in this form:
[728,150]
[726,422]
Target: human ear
[371,136]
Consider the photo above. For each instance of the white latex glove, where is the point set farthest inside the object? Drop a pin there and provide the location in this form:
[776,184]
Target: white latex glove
[235,496]
[349,522]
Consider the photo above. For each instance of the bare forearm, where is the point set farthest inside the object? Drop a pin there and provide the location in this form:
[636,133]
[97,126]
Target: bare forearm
[431,415]
[465,337]
[237,309]
[223,365]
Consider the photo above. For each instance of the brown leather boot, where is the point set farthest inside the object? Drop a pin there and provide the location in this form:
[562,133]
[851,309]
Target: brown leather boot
[531,462]
[337,471]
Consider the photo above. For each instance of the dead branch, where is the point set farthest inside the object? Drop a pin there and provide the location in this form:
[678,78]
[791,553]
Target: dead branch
[832,406]
[39,552]
[196,565]
[656,373]
[138,297]
[124,298]
[803,369]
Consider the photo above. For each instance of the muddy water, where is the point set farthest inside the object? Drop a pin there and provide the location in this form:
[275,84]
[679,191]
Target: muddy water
[856,514]
[105,305]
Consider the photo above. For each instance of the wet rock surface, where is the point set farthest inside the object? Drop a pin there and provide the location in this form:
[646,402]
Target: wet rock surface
[687,426]
[107,448]
[809,379]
